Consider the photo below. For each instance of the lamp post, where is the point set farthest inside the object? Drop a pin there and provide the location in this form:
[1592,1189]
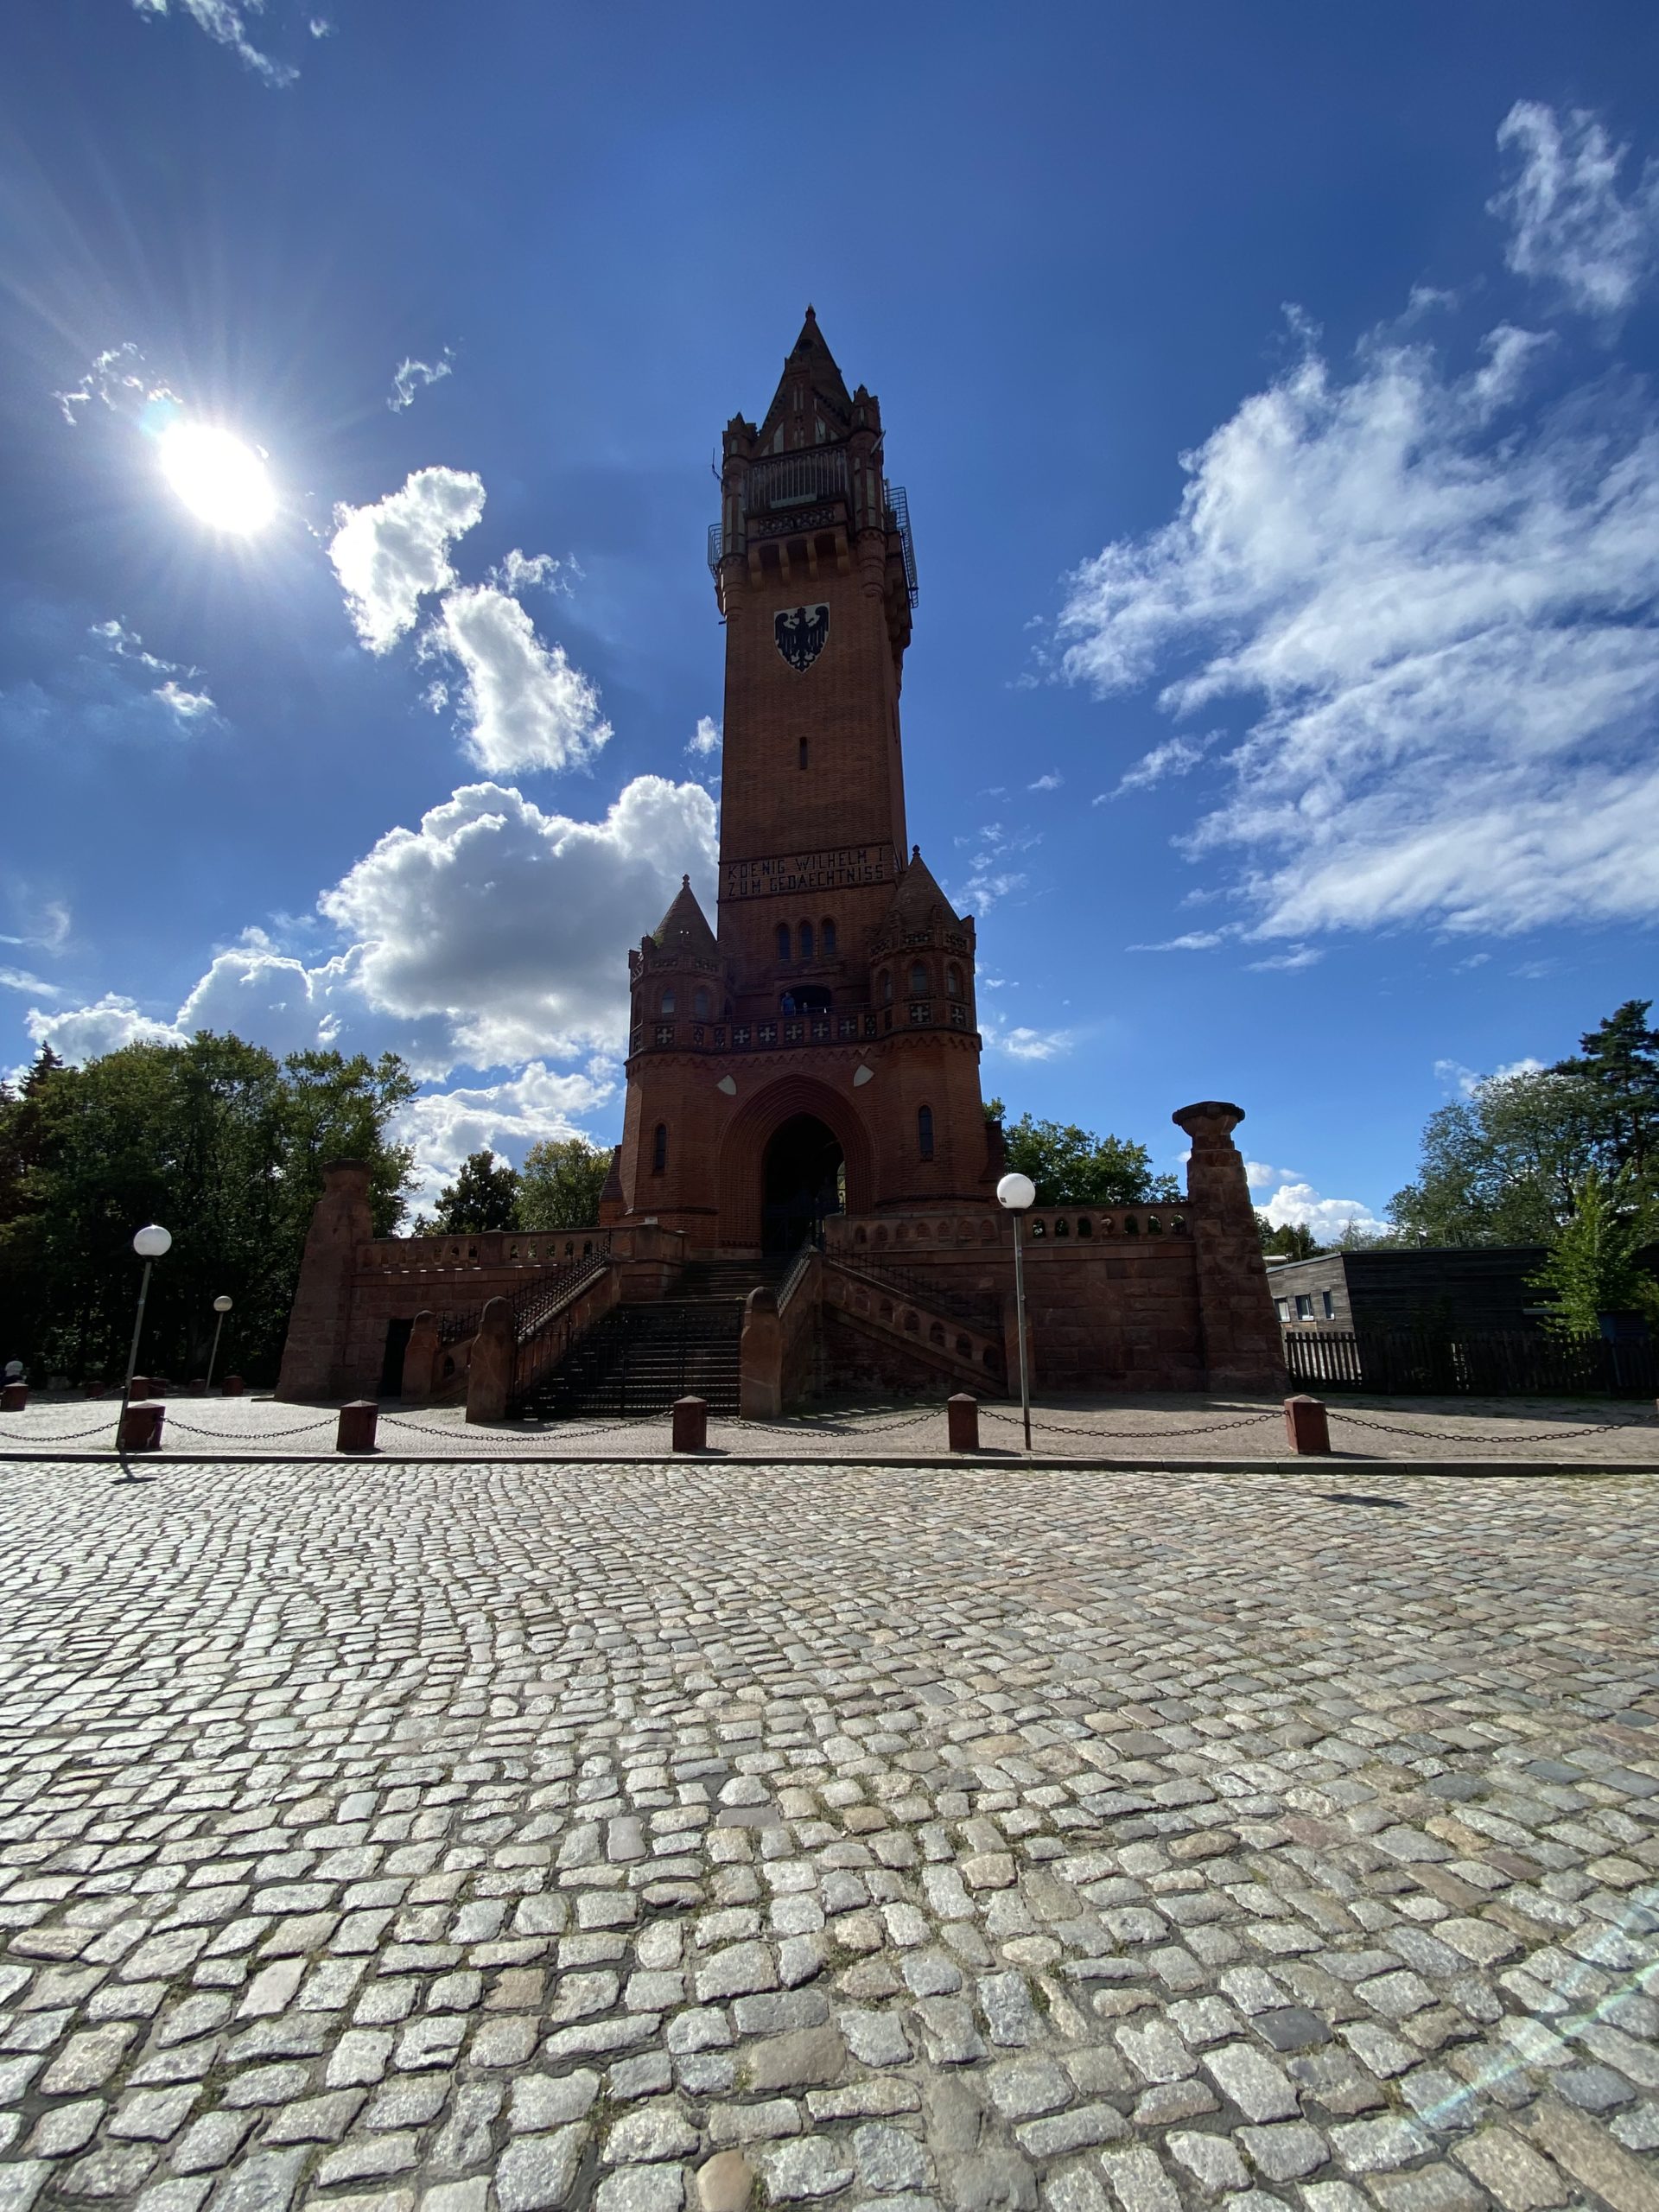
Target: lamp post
[1017,1194]
[221,1307]
[150,1244]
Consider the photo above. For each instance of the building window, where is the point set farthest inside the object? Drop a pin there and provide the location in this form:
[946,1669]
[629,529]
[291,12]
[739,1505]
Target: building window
[1304,1306]
[918,980]
[884,986]
[802,752]
[660,1149]
[953,981]
[667,1006]
[805,936]
[925,1132]
[783,940]
[827,939]
[1283,1304]
[700,1008]
[1328,1306]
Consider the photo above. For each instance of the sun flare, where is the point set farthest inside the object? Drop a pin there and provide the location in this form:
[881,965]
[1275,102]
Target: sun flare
[222,481]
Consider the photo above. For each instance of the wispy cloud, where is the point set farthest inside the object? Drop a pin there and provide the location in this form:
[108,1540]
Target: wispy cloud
[1018,1041]
[1176,756]
[706,740]
[1050,782]
[1192,941]
[989,876]
[119,379]
[414,376]
[226,25]
[1570,226]
[1299,955]
[1466,1081]
[1441,597]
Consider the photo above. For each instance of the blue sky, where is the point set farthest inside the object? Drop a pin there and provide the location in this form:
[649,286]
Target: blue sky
[1271,386]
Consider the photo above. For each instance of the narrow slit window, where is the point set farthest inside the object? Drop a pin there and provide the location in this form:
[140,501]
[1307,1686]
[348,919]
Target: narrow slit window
[783,940]
[667,1002]
[660,1149]
[802,752]
[925,1131]
[827,939]
[805,936]
[918,980]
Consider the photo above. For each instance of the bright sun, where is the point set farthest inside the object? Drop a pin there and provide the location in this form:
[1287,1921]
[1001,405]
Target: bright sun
[220,479]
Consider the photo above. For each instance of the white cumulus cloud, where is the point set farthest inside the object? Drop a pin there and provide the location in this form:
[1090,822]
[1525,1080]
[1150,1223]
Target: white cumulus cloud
[525,705]
[1570,225]
[513,924]
[705,740]
[392,555]
[506,1117]
[1299,1206]
[1442,601]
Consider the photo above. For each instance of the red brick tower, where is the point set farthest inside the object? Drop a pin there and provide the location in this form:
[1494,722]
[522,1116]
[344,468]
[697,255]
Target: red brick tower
[820,1054]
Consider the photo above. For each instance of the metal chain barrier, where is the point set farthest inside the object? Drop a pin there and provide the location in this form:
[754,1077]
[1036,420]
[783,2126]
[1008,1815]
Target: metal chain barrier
[70,1436]
[247,1435]
[1129,1435]
[808,1428]
[1460,1436]
[540,1436]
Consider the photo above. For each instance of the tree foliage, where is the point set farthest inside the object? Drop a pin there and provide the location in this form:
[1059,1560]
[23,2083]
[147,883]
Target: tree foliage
[560,1183]
[1594,1264]
[215,1139]
[1073,1167]
[1291,1240]
[1502,1167]
[1619,1059]
[482,1197]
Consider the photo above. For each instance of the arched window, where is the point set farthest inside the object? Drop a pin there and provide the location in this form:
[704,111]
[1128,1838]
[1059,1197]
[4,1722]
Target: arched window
[667,1006]
[953,981]
[660,1149]
[925,1131]
[918,980]
[827,939]
[805,934]
[700,1005]
[885,986]
[783,940]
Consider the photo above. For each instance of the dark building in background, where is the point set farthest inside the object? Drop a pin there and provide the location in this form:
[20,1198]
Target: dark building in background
[1433,1290]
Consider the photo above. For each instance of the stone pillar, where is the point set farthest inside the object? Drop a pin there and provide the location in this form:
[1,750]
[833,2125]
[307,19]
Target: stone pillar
[760,1358]
[314,1356]
[961,1421]
[690,1425]
[489,1373]
[421,1359]
[1306,1429]
[1243,1350]
[354,1430]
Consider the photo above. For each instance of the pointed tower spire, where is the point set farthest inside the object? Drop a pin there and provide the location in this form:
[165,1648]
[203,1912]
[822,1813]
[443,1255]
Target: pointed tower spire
[810,392]
[684,928]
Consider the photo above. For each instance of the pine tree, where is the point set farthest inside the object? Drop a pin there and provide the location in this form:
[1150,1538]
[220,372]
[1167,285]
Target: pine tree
[1593,1266]
[1620,1057]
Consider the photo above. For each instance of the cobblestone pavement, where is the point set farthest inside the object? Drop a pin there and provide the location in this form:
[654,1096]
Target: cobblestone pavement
[1594,1432]
[482,1835]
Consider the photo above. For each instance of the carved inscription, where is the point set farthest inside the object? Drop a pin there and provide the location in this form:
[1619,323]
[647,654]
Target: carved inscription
[839,869]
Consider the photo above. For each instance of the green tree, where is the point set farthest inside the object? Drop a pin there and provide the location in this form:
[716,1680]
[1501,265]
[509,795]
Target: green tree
[1594,1264]
[1620,1058]
[1502,1166]
[215,1139]
[1073,1167]
[1291,1240]
[482,1197]
[560,1183]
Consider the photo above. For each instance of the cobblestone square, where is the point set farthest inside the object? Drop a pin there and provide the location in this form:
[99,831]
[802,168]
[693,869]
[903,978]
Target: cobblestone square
[479,1835]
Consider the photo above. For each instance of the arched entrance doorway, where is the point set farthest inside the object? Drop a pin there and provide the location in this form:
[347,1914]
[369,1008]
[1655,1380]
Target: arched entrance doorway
[803,1177]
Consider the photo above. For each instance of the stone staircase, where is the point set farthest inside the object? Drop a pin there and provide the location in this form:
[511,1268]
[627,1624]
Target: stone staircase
[639,1359]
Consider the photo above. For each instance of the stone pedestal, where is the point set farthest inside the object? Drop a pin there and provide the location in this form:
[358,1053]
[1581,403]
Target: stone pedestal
[14,1396]
[314,1356]
[1243,1349]
[962,1422]
[489,1375]
[198,1386]
[1306,1427]
[760,1358]
[232,1386]
[690,1425]
[421,1359]
[355,1431]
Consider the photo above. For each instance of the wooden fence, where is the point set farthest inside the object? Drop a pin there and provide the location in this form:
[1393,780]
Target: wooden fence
[1488,1363]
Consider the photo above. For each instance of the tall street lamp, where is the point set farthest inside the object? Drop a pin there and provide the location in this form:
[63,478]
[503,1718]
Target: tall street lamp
[221,1307]
[150,1244]
[1018,1193]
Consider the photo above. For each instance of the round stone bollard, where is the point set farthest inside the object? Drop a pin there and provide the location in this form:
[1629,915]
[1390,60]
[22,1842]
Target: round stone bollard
[1306,1429]
[690,1424]
[356,1429]
[961,1421]
[14,1396]
[232,1386]
[141,1426]
[140,1387]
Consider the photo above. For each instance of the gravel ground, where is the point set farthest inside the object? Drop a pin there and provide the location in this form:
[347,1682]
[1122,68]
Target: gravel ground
[486,1837]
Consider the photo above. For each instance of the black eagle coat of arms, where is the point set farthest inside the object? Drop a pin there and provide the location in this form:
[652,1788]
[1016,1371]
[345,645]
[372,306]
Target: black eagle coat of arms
[801,633]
